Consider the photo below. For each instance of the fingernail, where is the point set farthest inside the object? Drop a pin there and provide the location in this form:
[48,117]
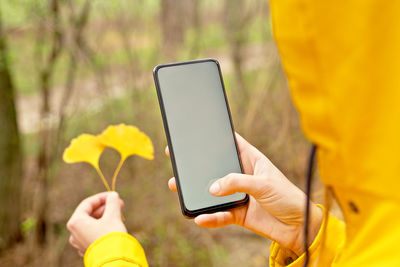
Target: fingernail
[114,194]
[215,188]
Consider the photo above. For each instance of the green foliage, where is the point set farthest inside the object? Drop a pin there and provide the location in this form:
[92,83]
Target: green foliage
[213,36]
[259,30]
[113,9]
[18,13]
[28,225]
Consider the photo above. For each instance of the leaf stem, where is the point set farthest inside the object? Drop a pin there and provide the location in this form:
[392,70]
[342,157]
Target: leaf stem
[103,179]
[114,179]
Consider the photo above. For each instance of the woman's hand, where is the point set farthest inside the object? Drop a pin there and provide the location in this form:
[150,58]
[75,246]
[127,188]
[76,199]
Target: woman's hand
[94,217]
[276,206]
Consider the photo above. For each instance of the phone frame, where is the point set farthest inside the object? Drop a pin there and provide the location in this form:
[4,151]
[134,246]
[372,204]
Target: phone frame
[186,212]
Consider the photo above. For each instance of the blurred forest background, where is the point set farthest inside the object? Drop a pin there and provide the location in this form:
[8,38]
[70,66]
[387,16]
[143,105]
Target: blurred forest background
[74,66]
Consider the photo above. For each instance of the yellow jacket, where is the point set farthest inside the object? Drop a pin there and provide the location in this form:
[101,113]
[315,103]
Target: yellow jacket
[115,250]
[342,60]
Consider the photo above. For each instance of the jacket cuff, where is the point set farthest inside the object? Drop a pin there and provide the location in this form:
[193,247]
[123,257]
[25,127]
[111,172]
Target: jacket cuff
[112,247]
[281,256]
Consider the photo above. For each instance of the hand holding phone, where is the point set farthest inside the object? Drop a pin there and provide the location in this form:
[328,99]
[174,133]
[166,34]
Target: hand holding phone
[276,206]
[204,152]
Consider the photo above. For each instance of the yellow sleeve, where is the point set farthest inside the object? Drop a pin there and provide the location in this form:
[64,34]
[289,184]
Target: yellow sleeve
[115,250]
[322,251]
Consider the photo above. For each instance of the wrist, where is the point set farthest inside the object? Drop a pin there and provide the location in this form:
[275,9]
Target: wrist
[317,215]
[315,221]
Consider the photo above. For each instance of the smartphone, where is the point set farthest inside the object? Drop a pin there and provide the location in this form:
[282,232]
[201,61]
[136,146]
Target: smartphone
[199,133]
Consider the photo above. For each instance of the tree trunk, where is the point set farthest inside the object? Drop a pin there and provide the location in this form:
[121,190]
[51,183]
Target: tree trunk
[10,154]
[44,160]
[235,22]
[175,19]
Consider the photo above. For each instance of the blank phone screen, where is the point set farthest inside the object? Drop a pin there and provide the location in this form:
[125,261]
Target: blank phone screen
[200,131]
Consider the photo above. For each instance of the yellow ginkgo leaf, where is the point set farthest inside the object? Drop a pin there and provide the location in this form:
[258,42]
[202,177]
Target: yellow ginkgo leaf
[127,140]
[86,148]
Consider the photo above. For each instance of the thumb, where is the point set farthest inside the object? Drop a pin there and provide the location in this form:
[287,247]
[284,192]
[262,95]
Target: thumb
[113,206]
[237,182]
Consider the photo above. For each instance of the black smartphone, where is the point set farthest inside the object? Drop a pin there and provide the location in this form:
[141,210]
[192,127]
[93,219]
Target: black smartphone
[199,132]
